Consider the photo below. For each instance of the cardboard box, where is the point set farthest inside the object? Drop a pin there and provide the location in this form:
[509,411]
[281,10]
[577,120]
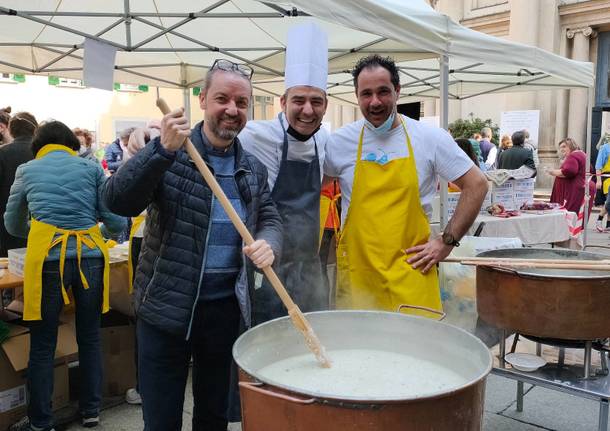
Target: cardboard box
[486,203]
[13,371]
[506,199]
[524,192]
[524,198]
[452,201]
[514,193]
[118,350]
[61,387]
[506,187]
[525,185]
[13,401]
[16,261]
[120,298]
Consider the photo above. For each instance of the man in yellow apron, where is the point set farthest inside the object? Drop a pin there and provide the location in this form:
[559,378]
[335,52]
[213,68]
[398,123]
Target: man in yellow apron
[387,165]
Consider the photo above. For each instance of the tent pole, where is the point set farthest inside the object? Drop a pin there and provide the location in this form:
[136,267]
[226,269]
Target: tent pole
[444,123]
[187,103]
[587,163]
[185,92]
[127,24]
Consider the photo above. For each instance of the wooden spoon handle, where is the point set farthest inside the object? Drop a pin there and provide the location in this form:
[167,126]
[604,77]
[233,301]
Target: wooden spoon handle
[298,318]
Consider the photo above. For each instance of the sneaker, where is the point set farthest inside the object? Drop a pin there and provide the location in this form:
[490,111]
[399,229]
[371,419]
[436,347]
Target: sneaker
[24,425]
[132,396]
[91,422]
[599,226]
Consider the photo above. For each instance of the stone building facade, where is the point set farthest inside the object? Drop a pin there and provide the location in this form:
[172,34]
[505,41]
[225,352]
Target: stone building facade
[577,29]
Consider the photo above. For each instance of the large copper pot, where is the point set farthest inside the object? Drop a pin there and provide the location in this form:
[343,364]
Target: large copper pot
[548,303]
[276,406]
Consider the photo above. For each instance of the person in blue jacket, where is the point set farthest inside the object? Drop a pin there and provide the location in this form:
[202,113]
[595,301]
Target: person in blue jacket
[114,154]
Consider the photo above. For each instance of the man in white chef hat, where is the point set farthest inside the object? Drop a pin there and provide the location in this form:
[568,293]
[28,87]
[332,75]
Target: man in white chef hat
[292,147]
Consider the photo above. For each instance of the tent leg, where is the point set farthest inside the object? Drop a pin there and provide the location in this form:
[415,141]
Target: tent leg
[444,123]
[187,103]
[590,94]
[185,92]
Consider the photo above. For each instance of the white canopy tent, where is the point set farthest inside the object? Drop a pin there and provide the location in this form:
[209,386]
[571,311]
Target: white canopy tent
[172,43]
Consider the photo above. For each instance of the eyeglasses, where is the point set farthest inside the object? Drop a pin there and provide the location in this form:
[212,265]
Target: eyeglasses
[229,66]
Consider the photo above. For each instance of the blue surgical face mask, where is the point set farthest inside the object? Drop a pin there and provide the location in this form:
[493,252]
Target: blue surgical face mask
[384,127]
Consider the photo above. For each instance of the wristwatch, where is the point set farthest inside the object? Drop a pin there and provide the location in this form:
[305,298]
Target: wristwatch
[449,239]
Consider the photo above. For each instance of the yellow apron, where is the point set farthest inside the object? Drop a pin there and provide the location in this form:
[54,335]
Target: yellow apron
[385,216]
[41,238]
[136,222]
[606,181]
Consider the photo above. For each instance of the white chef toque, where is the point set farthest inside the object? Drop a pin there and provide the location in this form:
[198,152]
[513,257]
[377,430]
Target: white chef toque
[307,57]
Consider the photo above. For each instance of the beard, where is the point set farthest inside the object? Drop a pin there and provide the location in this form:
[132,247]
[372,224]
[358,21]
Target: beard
[225,133]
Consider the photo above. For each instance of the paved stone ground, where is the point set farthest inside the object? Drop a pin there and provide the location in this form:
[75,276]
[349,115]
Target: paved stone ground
[543,409]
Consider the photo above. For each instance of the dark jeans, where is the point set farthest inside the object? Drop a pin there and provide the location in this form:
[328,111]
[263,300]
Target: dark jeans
[607,203]
[164,365]
[43,338]
[136,246]
[600,197]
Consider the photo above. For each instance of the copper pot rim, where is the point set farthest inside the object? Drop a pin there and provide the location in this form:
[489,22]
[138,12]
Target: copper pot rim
[532,273]
[348,402]
[331,398]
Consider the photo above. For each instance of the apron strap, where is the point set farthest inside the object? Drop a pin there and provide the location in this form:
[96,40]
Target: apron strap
[137,222]
[81,237]
[285,143]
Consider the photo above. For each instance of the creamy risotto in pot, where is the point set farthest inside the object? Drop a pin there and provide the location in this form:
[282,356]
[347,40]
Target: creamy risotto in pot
[361,373]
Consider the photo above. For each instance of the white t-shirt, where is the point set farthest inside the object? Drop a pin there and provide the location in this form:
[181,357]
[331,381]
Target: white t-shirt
[436,154]
[264,140]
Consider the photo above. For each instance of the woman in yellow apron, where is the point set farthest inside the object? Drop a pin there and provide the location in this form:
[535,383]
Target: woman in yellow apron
[56,203]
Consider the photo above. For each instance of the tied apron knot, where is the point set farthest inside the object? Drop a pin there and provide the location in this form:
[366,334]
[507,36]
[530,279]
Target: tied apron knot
[81,237]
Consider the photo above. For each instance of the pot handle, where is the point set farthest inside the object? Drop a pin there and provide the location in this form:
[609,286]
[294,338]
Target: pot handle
[419,307]
[257,387]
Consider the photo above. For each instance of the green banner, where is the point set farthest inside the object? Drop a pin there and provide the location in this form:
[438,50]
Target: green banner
[53,80]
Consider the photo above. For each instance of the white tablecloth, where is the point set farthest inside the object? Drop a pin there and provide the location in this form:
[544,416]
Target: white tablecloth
[529,228]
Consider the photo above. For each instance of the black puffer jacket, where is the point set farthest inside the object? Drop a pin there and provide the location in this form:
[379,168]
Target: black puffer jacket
[12,156]
[179,204]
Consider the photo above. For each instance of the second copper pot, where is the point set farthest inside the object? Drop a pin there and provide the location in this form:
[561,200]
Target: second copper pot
[562,304]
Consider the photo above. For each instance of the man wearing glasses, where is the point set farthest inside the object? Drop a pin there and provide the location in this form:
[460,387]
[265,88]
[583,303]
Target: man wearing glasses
[292,148]
[192,282]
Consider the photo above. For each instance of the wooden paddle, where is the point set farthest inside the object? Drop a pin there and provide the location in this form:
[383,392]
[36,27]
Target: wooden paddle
[508,262]
[294,312]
